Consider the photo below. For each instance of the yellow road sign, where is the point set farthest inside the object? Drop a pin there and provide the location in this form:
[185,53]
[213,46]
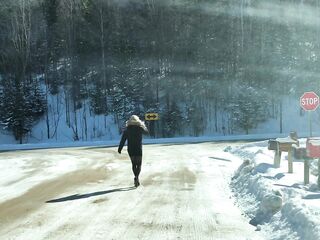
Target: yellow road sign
[151,116]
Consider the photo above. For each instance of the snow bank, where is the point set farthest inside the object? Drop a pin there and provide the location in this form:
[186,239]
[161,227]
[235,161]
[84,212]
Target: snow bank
[277,202]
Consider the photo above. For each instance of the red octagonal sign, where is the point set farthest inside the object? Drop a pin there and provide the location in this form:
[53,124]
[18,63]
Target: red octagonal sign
[309,101]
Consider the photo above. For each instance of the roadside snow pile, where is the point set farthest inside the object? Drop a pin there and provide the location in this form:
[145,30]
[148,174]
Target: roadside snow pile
[277,202]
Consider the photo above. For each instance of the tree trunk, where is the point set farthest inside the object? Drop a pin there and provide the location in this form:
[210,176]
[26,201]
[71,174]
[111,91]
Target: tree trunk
[281,130]
[104,77]
[216,113]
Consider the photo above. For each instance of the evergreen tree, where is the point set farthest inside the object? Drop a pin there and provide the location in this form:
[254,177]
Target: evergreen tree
[248,108]
[21,107]
[171,120]
[195,120]
[130,57]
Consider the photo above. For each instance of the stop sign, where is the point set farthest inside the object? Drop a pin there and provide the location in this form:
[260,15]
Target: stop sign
[309,101]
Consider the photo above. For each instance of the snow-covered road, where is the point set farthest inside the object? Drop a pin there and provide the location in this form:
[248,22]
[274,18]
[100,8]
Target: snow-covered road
[86,193]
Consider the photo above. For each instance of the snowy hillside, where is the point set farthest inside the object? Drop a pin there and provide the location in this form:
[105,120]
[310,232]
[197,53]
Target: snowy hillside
[83,123]
[76,70]
[91,127]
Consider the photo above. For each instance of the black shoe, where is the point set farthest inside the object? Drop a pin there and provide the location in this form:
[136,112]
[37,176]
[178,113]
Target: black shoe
[136,182]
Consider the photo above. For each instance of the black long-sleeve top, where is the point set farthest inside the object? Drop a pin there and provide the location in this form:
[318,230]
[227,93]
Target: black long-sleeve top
[134,136]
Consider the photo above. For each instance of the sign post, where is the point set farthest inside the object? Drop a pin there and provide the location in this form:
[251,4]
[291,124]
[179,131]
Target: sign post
[310,123]
[309,101]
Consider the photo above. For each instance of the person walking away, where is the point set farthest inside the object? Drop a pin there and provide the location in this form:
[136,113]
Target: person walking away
[135,128]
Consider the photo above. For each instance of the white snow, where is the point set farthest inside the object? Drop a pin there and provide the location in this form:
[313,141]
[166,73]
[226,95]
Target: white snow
[277,202]
[285,140]
[19,166]
[184,194]
[110,143]
[315,141]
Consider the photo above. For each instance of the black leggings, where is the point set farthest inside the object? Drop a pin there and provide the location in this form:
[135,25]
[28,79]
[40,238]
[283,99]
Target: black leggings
[136,165]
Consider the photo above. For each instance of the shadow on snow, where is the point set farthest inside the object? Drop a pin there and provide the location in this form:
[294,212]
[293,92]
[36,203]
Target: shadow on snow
[81,196]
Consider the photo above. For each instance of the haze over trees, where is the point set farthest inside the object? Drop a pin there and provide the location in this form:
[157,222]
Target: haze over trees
[218,65]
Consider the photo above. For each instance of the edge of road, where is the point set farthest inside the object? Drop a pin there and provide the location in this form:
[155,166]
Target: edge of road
[146,141]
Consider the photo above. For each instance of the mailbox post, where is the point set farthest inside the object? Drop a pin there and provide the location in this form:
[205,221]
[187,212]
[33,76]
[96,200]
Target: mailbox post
[313,151]
[274,145]
[285,145]
[280,145]
[301,153]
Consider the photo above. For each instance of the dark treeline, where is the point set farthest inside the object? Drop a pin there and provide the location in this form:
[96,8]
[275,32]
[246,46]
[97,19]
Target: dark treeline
[221,63]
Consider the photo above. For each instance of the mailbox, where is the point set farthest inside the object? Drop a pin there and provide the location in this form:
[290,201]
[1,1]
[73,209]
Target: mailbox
[285,147]
[280,145]
[293,135]
[299,152]
[286,143]
[272,144]
[313,147]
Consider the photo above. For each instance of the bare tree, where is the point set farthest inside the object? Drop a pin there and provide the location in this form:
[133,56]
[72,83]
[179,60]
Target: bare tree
[21,41]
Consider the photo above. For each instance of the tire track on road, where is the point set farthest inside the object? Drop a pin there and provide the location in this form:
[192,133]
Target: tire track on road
[37,196]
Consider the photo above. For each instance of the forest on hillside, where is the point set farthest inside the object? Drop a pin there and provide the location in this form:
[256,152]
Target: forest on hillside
[191,61]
